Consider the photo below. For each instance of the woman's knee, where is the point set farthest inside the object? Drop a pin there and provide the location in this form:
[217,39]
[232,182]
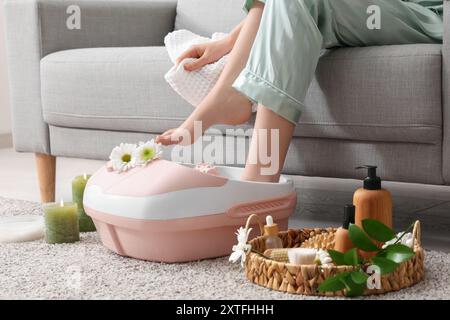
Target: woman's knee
[258,5]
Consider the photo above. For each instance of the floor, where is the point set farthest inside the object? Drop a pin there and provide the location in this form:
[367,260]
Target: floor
[87,270]
[320,199]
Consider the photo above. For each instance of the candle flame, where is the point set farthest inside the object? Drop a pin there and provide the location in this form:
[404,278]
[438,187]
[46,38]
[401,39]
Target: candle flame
[61,203]
[85,176]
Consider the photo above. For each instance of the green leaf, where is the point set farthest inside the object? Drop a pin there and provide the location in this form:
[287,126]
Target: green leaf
[337,257]
[334,283]
[359,277]
[353,282]
[359,238]
[351,257]
[386,266]
[378,231]
[398,253]
[354,289]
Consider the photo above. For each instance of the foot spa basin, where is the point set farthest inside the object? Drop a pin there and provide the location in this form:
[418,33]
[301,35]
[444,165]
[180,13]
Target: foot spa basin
[171,212]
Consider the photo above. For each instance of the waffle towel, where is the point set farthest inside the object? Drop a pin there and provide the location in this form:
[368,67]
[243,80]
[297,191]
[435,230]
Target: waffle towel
[195,85]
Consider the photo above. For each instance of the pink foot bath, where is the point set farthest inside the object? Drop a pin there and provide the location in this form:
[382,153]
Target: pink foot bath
[171,212]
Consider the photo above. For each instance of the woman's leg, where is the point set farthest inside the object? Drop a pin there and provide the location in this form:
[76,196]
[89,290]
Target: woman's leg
[272,134]
[224,104]
[278,73]
[382,22]
[286,52]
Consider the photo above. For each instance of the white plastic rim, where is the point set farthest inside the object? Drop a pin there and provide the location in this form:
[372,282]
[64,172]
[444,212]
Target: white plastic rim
[187,203]
[21,228]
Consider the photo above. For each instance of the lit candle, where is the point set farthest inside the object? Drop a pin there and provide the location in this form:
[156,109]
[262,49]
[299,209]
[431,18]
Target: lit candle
[61,222]
[78,186]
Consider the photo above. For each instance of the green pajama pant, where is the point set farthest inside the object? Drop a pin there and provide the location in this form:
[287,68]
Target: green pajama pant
[293,33]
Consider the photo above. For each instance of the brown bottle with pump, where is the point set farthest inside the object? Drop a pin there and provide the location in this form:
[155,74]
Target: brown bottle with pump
[342,240]
[372,202]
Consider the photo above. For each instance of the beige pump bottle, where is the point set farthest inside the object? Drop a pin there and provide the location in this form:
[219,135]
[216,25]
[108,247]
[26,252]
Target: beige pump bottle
[372,201]
[271,231]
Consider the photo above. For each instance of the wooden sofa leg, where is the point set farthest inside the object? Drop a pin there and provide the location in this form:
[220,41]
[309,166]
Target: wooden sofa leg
[46,170]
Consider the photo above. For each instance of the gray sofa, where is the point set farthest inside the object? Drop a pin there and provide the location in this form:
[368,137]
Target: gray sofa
[78,93]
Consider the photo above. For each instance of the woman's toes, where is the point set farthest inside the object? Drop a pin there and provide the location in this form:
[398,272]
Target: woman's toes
[169,137]
[163,137]
[164,140]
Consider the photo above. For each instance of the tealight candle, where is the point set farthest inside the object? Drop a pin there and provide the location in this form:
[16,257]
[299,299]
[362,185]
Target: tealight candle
[61,222]
[78,186]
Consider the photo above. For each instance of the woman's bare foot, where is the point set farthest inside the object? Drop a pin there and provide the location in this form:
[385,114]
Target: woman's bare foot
[224,107]
[271,138]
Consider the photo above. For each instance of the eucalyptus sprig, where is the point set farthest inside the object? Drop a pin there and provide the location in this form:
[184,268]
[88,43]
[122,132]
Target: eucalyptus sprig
[387,260]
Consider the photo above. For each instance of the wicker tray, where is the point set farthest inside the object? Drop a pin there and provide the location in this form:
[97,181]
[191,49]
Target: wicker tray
[305,279]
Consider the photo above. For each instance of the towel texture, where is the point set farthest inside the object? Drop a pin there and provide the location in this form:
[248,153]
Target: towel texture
[192,86]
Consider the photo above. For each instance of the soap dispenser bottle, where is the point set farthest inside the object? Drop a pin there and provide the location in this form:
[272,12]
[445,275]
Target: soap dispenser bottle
[271,233]
[342,240]
[372,201]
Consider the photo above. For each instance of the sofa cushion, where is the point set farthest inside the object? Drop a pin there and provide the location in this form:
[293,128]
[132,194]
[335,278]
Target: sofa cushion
[205,17]
[110,88]
[384,93]
[390,93]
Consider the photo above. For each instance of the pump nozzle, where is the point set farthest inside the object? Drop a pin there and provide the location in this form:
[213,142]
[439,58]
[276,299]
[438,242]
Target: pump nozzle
[371,182]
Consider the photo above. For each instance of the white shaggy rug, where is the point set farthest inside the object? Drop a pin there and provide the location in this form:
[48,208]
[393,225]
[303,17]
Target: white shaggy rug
[86,270]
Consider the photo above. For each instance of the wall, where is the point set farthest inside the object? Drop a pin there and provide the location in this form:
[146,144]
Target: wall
[5,113]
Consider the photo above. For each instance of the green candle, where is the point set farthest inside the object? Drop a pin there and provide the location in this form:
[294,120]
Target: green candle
[78,185]
[61,222]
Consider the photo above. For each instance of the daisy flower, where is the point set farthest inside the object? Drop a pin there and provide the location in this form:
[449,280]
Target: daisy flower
[122,157]
[147,152]
[242,248]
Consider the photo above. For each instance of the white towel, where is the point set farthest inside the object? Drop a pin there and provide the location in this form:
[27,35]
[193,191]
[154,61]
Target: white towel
[195,85]
[21,228]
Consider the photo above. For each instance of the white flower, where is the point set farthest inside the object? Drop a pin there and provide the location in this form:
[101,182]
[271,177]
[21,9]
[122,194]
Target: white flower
[205,167]
[407,240]
[323,258]
[242,248]
[122,157]
[147,152]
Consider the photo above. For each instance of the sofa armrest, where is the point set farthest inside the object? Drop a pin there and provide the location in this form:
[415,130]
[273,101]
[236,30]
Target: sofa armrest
[36,28]
[446,94]
[106,23]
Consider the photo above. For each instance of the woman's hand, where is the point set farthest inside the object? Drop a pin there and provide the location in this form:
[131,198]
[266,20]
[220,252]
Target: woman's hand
[210,52]
[205,53]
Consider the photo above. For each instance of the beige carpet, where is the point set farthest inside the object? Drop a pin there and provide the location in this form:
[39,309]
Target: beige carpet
[86,270]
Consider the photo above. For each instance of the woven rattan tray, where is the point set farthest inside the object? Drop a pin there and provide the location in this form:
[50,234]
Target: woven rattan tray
[305,279]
